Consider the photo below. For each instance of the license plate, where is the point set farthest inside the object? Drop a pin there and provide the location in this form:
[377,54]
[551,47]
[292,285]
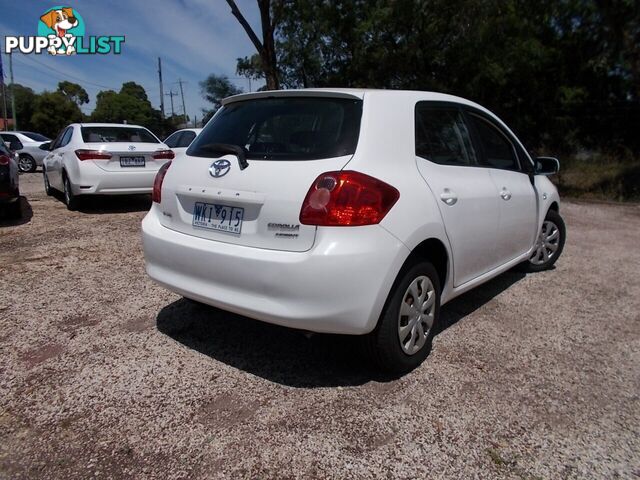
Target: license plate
[218,217]
[132,161]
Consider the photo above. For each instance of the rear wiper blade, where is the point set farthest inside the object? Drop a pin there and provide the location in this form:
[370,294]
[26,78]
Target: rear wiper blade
[236,150]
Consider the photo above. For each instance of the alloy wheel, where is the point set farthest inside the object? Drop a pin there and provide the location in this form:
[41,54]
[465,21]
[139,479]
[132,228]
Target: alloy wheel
[25,164]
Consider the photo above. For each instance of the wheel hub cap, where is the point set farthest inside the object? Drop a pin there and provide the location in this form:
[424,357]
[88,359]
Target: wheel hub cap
[547,243]
[416,315]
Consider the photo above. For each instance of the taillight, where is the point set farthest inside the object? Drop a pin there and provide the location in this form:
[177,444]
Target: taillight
[4,160]
[164,155]
[347,198]
[156,195]
[93,154]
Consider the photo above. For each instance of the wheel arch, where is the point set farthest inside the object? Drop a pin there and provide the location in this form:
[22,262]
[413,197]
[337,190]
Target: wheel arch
[434,251]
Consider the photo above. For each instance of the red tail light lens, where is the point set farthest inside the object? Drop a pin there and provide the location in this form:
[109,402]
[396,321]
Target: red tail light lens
[347,198]
[156,194]
[4,160]
[164,155]
[93,154]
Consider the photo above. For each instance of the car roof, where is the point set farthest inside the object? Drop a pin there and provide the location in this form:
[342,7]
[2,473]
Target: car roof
[195,130]
[108,125]
[351,93]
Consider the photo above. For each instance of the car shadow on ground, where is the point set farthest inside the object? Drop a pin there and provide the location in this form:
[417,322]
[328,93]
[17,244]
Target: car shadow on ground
[100,204]
[27,214]
[289,357]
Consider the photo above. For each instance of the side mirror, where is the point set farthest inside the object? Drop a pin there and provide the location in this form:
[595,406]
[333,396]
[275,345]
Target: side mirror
[547,166]
[8,145]
[16,145]
[45,146]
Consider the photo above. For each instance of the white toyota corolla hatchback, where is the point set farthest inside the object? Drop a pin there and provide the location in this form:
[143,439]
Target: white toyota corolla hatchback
[103,158]
[350,211]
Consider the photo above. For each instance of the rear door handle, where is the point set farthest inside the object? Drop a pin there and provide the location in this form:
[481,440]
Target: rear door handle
[448,197]
[505,194]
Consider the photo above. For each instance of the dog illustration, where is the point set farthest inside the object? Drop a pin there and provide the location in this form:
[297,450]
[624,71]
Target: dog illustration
[60,21]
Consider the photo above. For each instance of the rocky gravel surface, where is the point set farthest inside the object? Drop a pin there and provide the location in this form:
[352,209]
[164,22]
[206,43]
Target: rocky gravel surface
[105,375]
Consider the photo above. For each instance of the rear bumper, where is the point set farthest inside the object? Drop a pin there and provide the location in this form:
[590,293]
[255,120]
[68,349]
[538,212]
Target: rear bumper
[339,286]
[89,179]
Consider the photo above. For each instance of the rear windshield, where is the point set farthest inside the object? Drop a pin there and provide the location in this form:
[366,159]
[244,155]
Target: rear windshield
[284,128]
[36,136]
[117,134]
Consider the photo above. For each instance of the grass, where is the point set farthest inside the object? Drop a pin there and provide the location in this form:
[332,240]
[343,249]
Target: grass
[600,177]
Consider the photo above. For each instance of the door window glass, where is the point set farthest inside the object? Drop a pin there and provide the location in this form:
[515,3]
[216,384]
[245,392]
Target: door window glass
[442,136]
[498,149]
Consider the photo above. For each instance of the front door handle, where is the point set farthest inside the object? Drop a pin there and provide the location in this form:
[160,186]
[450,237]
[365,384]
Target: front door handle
[448,197]
[505,194]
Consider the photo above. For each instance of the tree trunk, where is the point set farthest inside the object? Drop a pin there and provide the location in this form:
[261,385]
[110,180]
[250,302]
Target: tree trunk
[266,49]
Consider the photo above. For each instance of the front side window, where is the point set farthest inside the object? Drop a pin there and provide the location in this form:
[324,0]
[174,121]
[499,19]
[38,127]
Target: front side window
[498,149]
[117,134]
[442,136]
[285,128]
[9,138]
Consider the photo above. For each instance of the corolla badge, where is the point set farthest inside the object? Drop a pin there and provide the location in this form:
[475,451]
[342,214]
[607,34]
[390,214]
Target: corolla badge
[219,168]
[132,148]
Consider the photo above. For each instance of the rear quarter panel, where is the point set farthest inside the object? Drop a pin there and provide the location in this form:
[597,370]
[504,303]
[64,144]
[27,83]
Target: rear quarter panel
[386,150]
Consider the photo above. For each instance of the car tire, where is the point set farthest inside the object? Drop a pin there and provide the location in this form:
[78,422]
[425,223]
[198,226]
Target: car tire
[549,244]
[392,343]
[48,189]
[70,200]
[14,210]
[26,163]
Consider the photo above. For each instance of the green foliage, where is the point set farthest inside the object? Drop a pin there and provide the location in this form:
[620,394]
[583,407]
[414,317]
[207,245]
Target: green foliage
[214,89]
[564,73]
[53,111]
[74,92]
[24,99]
[130,105]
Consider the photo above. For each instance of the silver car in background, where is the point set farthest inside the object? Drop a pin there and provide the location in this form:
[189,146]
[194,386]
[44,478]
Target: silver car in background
[27,145]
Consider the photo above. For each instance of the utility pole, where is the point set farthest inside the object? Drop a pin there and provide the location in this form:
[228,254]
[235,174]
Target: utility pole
[161,90]
[184,108]
[171,94]
[13,95]
[4,96]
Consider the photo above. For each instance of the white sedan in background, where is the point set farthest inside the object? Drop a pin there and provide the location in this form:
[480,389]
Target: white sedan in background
[27,146]
[179,141]
[103,158]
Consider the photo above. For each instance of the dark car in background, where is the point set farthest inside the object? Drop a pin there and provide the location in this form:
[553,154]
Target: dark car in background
[9,186]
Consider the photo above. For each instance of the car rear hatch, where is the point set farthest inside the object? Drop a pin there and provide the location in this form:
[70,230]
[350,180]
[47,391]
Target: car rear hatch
[288,141]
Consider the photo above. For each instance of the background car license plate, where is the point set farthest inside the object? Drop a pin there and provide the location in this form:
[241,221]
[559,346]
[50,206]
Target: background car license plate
[132,161]
[218,217]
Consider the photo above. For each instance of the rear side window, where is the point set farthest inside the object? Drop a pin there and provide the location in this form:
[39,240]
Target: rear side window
[117,134]
[36,136]
[186,139]
[497,148]
[442,136]
[303,128]
[66,138]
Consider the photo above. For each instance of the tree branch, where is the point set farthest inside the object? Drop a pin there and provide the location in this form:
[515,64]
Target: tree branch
[247,28]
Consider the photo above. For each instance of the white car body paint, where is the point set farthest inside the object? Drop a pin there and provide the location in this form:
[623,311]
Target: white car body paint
[337,279]
[104,177]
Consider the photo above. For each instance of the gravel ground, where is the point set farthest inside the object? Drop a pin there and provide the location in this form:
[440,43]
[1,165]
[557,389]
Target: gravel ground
[103,373]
